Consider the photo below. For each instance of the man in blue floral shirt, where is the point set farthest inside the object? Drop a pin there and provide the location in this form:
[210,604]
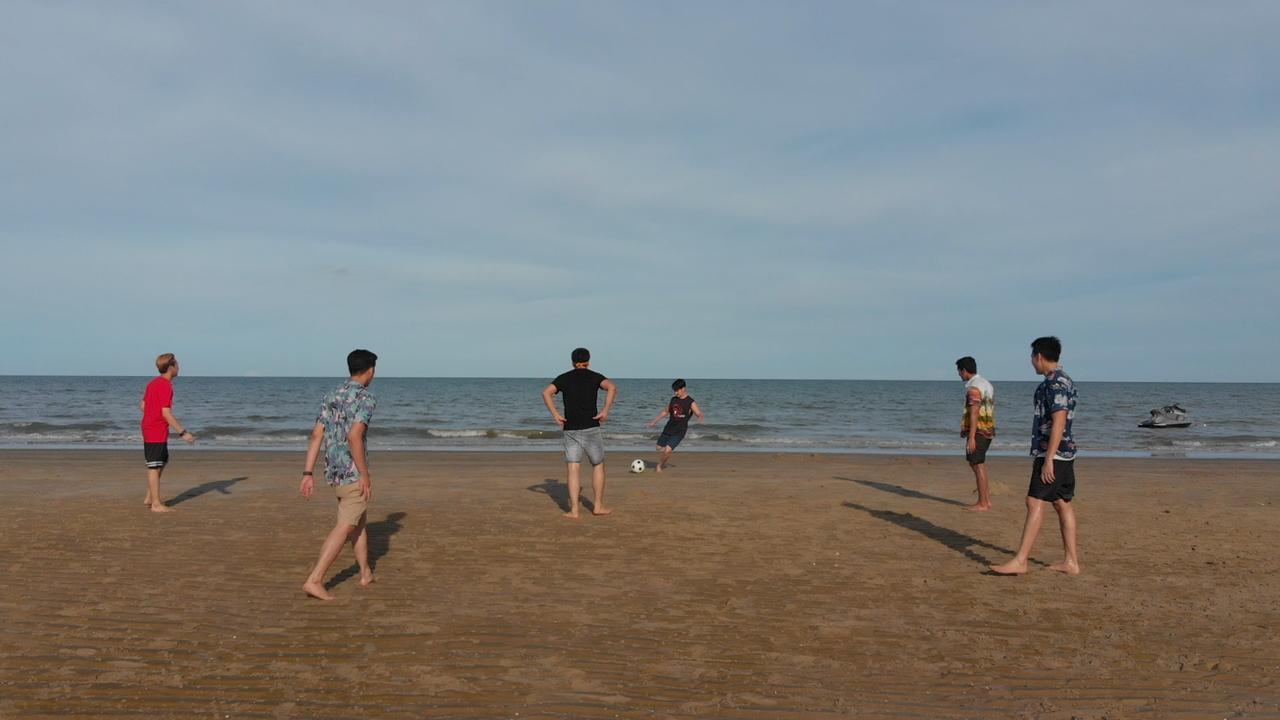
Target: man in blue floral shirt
[1053,478]
[340,430]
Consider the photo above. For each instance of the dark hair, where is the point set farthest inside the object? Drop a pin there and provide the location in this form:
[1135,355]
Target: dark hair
[677,385]
[967,364]
[360,360]
[1048,347]
[580,355]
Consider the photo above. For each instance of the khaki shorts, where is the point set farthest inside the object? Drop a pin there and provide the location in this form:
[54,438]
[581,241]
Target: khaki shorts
[351,503]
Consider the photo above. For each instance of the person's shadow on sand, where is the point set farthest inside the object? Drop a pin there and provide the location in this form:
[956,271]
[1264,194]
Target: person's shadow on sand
[899,490]
[955,540]
[379,545]
[220,486]
[559,494]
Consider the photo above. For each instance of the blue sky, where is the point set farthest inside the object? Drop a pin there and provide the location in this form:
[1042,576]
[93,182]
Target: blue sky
[711,189]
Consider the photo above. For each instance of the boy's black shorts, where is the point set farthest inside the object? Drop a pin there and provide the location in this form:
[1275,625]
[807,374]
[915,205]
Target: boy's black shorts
[670,441]
[157,454]
[1063,486]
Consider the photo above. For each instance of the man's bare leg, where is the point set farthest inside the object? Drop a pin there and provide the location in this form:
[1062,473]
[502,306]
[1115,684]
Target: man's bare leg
[153,491]
[664,454]
[597,485]
[984,490]
[572,471]
[314,586]
[1067,522]
[1035,516]
[360,543]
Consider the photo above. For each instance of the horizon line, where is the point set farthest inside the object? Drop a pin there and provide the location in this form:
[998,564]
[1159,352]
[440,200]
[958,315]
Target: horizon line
[627,377]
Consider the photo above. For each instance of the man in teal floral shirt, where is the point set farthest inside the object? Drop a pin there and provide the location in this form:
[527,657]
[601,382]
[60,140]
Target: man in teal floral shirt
[340,431]
[1053,472]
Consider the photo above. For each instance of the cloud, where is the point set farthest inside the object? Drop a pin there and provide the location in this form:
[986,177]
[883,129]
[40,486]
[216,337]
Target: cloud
[855,183]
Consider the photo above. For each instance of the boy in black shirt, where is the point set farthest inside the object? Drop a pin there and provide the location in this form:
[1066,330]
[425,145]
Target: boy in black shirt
[679,408]
[581,423]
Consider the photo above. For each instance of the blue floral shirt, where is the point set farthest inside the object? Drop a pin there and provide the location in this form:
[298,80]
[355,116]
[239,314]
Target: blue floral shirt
[341,409]
[1056,392]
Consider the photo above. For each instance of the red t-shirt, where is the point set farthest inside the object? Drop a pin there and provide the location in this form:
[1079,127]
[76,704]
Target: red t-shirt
[159,395]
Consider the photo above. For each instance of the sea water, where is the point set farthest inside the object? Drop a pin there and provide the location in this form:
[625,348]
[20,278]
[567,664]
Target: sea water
[915,417]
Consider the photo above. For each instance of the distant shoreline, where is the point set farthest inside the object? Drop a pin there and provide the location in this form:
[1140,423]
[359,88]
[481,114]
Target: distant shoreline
[1031,377]
[179,452]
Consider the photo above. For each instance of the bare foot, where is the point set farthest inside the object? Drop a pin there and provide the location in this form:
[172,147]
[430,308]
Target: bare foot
[602,511]
[658,469]
[147,501]
[366,580]
[316,590]
[978,507]
[161,507]
[1066,567]
[1013,567]
[573,515]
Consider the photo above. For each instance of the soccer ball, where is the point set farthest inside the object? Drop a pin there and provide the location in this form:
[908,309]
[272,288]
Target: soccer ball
[637,466]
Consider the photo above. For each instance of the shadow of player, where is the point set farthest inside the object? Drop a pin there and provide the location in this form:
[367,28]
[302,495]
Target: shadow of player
[899,490]
[559,494]
[379,545]
[958,541]
[222,487]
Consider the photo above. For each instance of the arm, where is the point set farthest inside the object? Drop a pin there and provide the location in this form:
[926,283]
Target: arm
[661,415]
[974,398]
[360,455]
[612,394]
[698,411]
[313,451]
[547,394]
[173,423]
[1055,439]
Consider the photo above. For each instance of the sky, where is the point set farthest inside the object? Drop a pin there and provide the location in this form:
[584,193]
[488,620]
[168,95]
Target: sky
[736,189]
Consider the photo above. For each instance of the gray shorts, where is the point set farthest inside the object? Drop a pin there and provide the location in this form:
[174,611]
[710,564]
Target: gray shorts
[579,442]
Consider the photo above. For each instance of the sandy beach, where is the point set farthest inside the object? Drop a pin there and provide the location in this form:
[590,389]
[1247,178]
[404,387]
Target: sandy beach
[744,586]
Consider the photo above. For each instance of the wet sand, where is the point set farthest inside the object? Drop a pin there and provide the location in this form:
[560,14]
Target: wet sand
[744,586]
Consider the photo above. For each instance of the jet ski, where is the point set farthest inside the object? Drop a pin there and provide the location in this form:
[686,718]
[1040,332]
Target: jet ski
[1169,416]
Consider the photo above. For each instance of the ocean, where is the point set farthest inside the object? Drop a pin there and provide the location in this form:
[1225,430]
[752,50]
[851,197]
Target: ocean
[1231,420]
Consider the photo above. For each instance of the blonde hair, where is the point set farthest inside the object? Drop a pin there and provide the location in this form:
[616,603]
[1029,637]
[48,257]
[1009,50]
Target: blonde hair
[164,362]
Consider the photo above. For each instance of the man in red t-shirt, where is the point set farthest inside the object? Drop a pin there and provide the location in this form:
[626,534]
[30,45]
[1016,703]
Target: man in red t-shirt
[157,419]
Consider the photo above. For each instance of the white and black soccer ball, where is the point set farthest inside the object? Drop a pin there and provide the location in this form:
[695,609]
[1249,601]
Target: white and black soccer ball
[637,466]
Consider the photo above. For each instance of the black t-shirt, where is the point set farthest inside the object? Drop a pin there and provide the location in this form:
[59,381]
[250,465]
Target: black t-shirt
[680,411]
[580,387]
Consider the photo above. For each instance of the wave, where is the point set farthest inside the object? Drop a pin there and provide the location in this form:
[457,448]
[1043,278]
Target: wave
[1244,440]
[36,427]
[462,433]
[732,427]
[236,431]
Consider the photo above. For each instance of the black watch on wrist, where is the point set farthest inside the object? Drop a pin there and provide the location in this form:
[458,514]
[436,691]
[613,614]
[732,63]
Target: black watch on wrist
[307,473]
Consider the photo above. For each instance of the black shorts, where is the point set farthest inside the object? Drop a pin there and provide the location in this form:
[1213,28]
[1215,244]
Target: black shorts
[157,454]
[979,454]
[1063,486]
[670,441]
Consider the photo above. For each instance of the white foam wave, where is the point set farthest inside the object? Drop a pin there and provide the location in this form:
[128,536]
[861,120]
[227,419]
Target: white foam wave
[456,434]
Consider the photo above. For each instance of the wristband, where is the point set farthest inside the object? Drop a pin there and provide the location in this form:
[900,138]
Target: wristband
[308,473]
[183,432]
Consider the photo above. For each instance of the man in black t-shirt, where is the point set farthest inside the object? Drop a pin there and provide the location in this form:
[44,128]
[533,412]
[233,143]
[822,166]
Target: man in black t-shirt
[582,435]
[679,409]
